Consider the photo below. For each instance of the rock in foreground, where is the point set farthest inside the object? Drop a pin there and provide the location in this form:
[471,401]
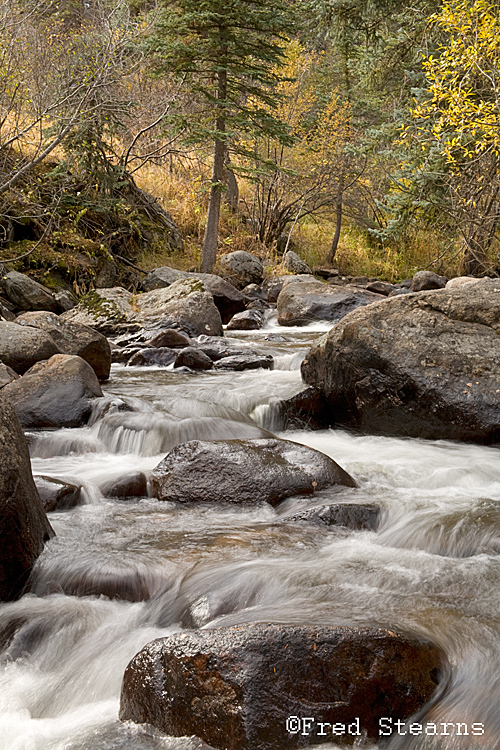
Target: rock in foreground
[237,687]
[24,527]
[243,472]
[421,365]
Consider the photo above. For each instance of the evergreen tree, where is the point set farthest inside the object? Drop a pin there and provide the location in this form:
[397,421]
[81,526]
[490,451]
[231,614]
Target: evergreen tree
[227,52]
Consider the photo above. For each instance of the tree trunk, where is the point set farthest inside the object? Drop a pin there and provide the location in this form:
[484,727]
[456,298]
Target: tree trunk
[338,224]
[209,250]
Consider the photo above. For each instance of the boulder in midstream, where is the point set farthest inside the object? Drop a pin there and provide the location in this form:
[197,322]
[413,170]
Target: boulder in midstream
[243,472]
[248,687]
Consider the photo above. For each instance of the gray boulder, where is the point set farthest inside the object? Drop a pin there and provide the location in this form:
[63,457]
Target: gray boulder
[7,375]
[301,302]
[56,494]
[26,293]
[55,393]
[73,338]
[194,359]
[424,280]
[24,527]
[237,687]
[227,299]
[131,485]
[184,305]
[243,472]
[294,263]
[241,268]
[161,356]
[21,346]
[249,320]
[422,365]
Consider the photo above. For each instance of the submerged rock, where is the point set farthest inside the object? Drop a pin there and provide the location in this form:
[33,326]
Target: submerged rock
[352,516]
[56,494]
[55,393]
[161,356]
[243,472]
[24,527]
[422,365]
[131,485]
[249,320]
[237,687]
[247,361]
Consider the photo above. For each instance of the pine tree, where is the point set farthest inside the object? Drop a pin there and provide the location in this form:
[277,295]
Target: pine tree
[227,52]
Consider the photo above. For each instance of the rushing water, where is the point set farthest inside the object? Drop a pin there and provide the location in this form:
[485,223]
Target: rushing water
[119,574]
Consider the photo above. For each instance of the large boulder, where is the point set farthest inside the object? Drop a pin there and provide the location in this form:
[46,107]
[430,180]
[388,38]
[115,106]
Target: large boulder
[243,472]
[21,346]
[185,305]
[107,310]
[421,365]
[241,268]
[301,302]
[73,338]
[265,686]
[24,527]
[227,299]
[26,293]
[55,393]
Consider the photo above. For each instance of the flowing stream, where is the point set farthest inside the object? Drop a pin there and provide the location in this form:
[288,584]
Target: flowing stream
[121,573]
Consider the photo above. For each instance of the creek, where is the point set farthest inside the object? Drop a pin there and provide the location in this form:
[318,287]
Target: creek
[119,574]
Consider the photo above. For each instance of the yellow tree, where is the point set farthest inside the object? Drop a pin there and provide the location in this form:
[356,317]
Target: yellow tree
[461,117]
[315,171]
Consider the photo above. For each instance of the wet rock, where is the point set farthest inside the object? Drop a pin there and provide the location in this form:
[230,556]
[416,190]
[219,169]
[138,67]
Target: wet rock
[380,287]
[241,268]
[26,293]
[301,302]
[194,359]
[7,375]
[354,517]
[22,347]
[55,393]
[56,494]
[249,320]
[161,356]
[421,365]
[247,361]
[243,472]
[170,338]
[216,348]
[134,484]
[236,687]
[424,280]
[73,338]
[308,410]
[294,263]
[24,527]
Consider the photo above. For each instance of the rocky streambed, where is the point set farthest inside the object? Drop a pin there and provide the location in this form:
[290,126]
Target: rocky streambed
[335,580]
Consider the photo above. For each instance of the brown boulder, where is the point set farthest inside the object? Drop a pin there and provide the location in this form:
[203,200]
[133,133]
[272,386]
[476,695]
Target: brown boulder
[55,393]
[243,472]
[73,338]
[24,527]
[301,302]
[250,687]
[21,346]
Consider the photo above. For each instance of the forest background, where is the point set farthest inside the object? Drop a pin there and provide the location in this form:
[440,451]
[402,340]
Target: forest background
[360,133]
